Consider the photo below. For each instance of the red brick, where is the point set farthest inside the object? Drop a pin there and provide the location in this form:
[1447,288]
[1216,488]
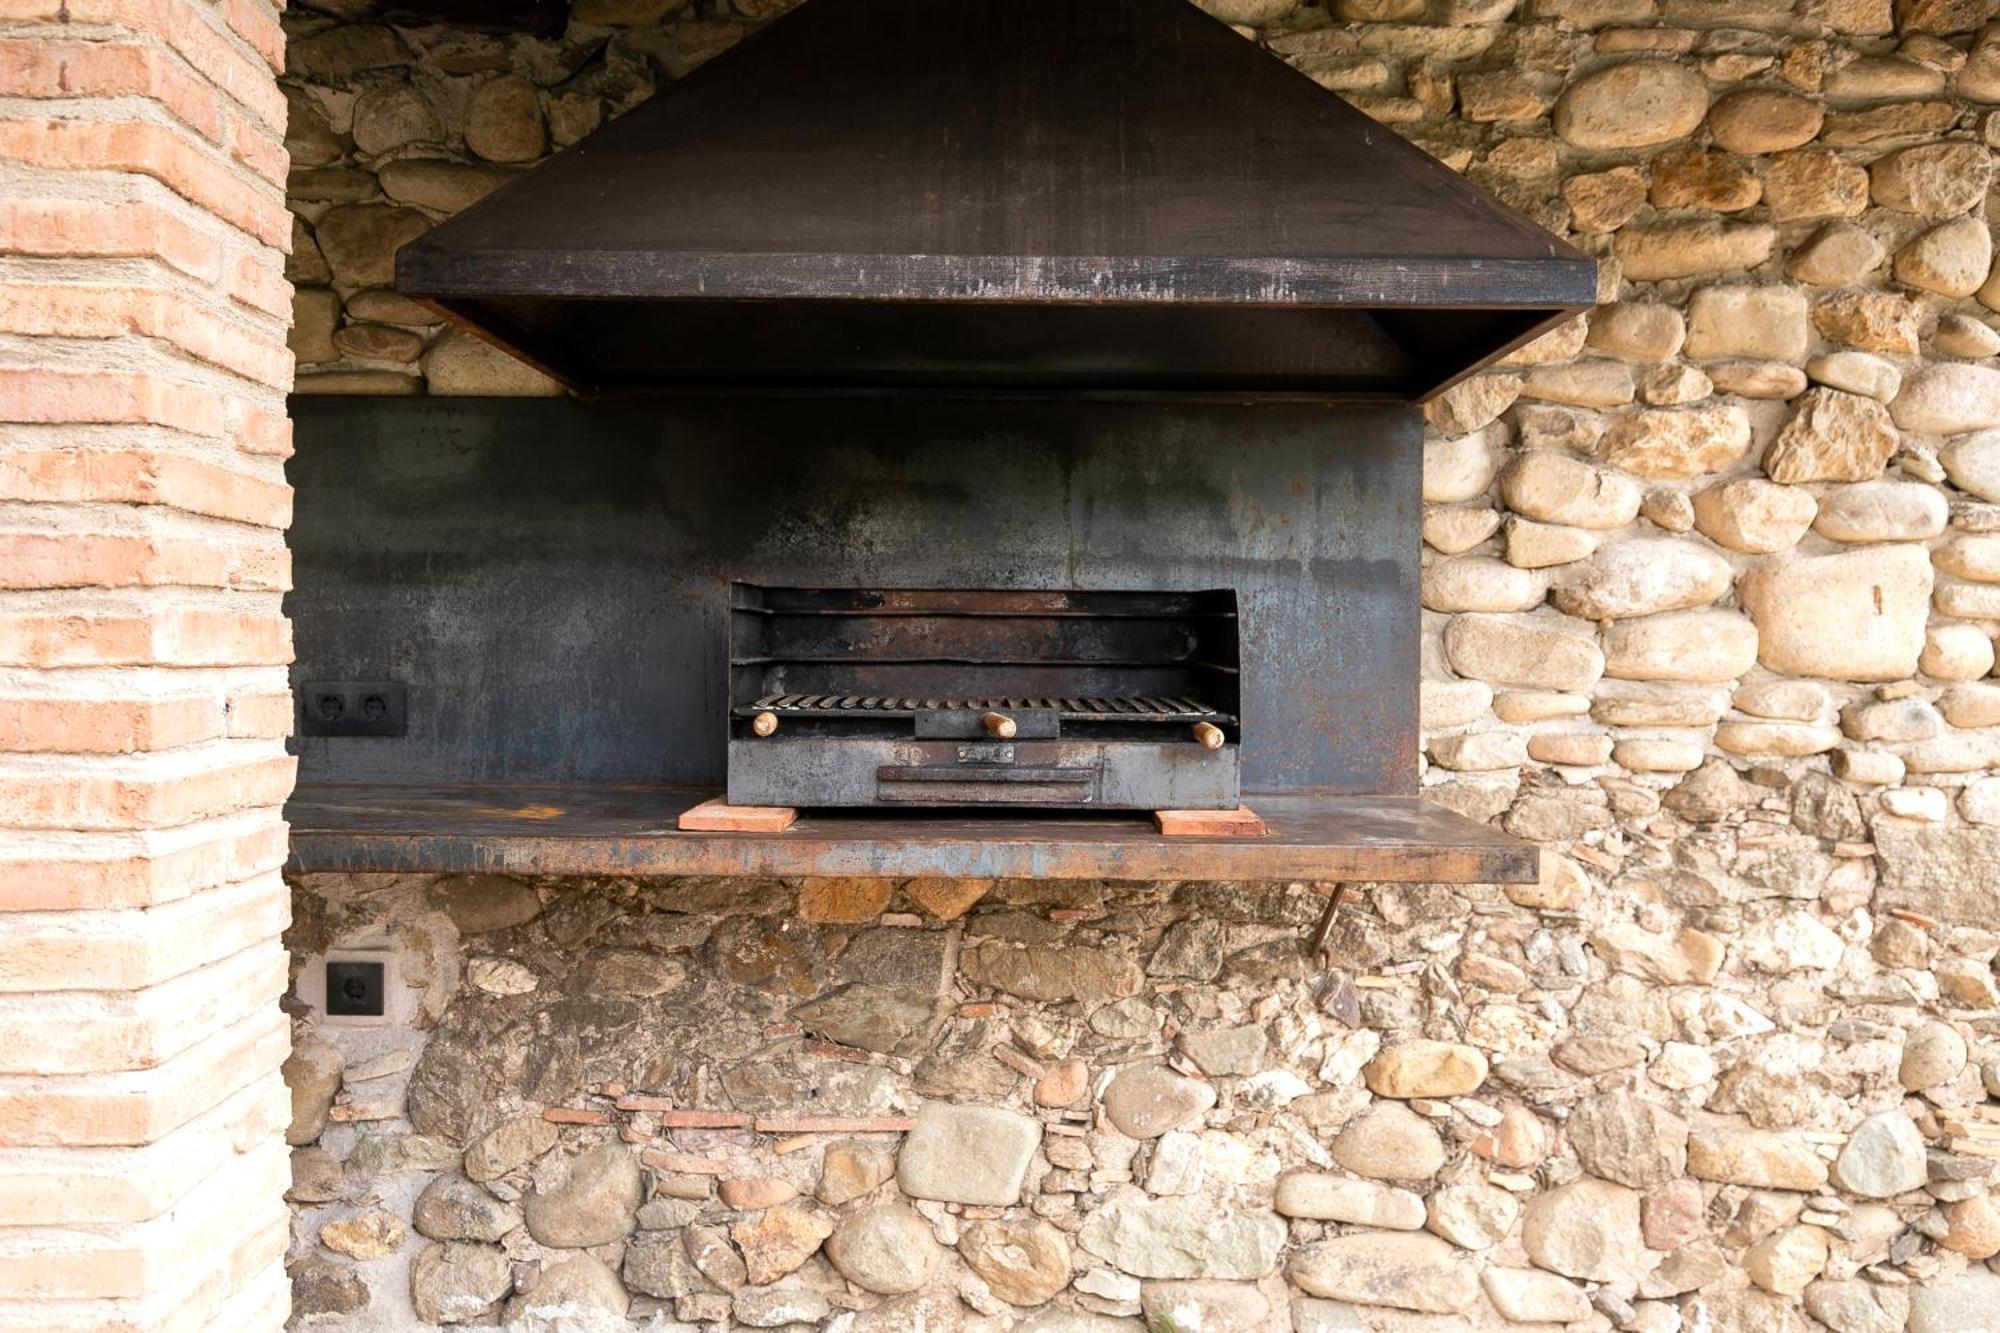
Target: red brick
[65,724]
[37,394]
[261,716]
[185,27]
[158,151]
[40,1187]
[137,948]
[82,795]
[258,281]
[40,67]
[106,560]
[167,637]
[257,25]
[144,477]
[140,869]
[110,311]
[131,1261]
[108,1110]
[75,229]
[108,1032]
[257,431]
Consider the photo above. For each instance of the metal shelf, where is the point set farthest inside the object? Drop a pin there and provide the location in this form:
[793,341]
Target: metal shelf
[629,830]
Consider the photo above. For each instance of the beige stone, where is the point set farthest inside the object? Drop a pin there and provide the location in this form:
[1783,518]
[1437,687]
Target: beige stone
[1832,436]
[1631,105]
[1786,1261]
[1523,706]
[1687,177]
[1582,749]
[1686,957]
[1472,403]
[315,316]
[458,363]
[1597,382]
[1808,184]
[1974,556]
[1760,1159]
[1873,321]
[1458,469]
[504,121]
[1763,120]
[1388,1141]
[1455,529]
[1541,651]
[1856,372]
[1674,386]
[360,241]
[1739,321]
[1774,740]
[1421,1068]
[1757,379]
[1951,259]
[1973,464]
[1586,1229]
[1880,511]
[1480,583]
[1950,398]
[1643,577]
[1879,78]
[1938,180]
[1479,752]
[1657,251]
[1669,510]
[1704,647]
[1500,95]
[1972,1227]
[443,187]
[1971,705]
[1783,700]
[1556,488]
[378,342]
[1677,443]
[1532,545]
[1752,516]
[391,115]
[1638,331]
[1837,254]
[1965,336]
[1651,755]
[1452,703]
[1605,200]
[1858,615]
[1956,652]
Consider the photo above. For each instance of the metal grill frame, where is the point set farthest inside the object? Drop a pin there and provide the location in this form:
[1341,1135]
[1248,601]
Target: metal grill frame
[862,697]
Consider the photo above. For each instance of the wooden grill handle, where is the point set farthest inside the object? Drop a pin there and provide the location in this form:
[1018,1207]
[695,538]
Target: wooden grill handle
[764,724]
[1209,735]
[999,726]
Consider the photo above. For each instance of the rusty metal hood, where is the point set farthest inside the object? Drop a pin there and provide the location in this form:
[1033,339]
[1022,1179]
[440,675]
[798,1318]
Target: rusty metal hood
[1117,195]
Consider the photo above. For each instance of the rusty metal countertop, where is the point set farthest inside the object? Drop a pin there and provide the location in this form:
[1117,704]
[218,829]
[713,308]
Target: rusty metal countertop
[629,830]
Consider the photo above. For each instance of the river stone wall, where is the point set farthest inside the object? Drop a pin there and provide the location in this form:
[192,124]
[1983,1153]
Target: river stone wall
[1712,582]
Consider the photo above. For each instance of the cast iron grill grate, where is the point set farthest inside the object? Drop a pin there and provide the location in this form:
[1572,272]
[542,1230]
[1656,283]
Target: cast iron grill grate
[1088,708]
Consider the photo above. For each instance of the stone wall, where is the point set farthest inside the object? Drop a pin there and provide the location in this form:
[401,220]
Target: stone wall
[143,701]
[1713,578]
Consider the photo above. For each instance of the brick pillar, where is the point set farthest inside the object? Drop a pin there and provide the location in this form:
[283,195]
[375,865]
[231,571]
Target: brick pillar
[143,698]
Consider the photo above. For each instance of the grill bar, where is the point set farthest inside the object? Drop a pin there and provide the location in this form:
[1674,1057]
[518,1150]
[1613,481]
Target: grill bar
[1087,709]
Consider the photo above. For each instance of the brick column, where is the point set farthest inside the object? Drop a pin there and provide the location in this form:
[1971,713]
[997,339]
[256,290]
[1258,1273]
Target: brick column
[143,698]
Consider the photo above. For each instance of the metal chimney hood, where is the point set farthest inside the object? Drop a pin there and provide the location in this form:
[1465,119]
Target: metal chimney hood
[1052,195]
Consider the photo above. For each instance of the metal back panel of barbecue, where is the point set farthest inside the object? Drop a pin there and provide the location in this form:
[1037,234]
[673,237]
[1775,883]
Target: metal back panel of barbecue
[932,697]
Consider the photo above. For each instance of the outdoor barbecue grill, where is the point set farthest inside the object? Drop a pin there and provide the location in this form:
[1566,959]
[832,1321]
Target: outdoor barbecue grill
[864,697]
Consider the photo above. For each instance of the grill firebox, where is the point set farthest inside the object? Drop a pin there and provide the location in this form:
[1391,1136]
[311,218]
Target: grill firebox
[933,697]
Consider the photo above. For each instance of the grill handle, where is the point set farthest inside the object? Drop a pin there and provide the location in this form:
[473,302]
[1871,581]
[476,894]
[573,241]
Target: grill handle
[999,726]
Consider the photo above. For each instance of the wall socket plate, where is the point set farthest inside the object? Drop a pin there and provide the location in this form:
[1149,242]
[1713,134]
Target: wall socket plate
[354,988]
[353,708]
